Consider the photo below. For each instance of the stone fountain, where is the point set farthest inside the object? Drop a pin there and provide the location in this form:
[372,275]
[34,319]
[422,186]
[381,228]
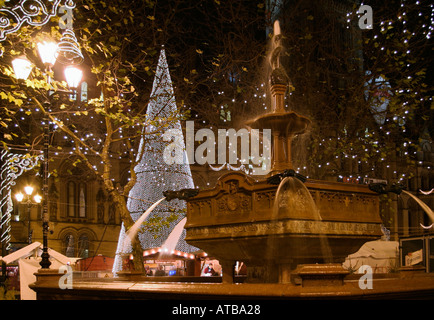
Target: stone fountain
[273,228]
[292,234]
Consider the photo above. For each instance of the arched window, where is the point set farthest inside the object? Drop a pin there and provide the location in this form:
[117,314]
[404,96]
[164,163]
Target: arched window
[77,243]
[75,189]
[69,245]
[83,93]
[71,199]
[76,199]
[81,200]
[83,246]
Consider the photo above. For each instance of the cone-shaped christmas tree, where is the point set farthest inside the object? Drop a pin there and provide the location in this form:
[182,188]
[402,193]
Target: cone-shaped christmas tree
[154,174]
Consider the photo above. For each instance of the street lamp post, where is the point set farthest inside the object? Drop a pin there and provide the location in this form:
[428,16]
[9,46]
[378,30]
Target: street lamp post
[45,262]
[67,52]
[29,201]
[48,52]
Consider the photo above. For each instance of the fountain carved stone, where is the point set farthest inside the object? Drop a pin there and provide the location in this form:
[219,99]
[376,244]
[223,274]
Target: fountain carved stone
[270,228]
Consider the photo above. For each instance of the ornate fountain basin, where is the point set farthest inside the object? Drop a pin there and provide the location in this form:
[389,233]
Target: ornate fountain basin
[235,221]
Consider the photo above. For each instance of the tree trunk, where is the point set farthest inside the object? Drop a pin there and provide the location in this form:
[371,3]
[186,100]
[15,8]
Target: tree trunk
[128,222]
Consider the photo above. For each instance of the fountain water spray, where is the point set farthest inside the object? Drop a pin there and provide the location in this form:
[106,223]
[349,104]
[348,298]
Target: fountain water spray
[132,232]
[171,242]
[423,205]
[383,188]
[174,236]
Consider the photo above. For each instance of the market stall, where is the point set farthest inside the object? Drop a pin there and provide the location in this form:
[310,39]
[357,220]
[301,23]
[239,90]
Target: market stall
[28,263]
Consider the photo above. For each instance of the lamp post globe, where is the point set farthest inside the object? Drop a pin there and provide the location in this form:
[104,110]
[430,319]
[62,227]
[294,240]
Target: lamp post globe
[47,52]
[22,67]
[73,76]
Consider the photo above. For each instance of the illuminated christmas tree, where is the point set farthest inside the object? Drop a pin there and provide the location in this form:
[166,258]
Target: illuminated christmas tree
[154,175]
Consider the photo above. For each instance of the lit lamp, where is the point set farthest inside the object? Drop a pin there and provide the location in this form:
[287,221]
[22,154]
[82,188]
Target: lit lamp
[22,67]
[37,198]
[47,52]
[28,190]
[19,197]
[68,53]
[73,76]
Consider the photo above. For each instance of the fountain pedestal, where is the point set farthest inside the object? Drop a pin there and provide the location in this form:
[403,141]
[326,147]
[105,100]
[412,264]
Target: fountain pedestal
[314,275]
[284,125]
[235,221]
[47,275]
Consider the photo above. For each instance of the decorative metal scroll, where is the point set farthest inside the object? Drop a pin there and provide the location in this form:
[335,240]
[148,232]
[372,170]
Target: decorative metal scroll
[38,13]
[34,12]
[13,165]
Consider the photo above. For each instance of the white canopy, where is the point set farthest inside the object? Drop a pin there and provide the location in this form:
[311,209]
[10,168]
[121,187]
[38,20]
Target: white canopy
[380,255]
[31,250]
[21,253]
[28,262]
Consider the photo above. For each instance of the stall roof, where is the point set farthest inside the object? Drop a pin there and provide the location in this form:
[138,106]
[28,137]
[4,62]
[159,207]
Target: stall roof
[36,248]
[160,253]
